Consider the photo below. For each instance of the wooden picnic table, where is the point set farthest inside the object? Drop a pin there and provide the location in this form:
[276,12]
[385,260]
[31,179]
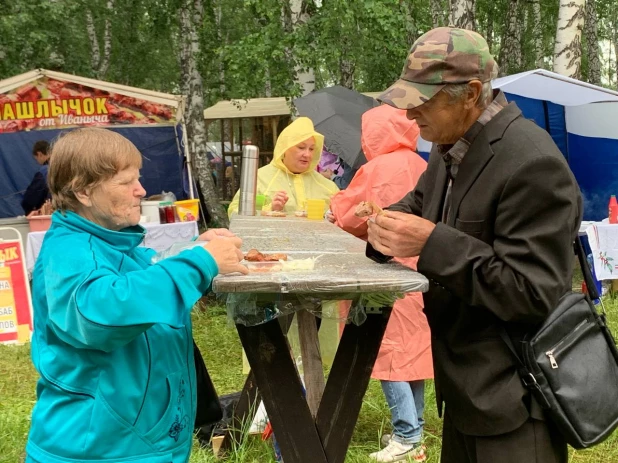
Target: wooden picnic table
[317,426]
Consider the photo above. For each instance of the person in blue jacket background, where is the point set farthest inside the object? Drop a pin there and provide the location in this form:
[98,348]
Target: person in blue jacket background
[112,331]
[37,192]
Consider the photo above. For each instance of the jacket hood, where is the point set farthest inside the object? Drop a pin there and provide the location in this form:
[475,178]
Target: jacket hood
[298,131]
[386,129]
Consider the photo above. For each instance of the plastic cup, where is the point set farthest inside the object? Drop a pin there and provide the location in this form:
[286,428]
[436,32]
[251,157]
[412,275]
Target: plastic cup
[259,202]
[188,210]
[316,209]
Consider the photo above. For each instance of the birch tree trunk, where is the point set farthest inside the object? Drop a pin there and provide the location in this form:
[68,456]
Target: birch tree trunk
[346,68]
[100,64]
[305,75]
[615,42]
[191,18]
[592,43]
[268,92]
[437,13]
[568,47]
[107,41]
[408,17]
[95,52]
[538,34]
[220,39]
[510,49]
[489,33]
[462,14]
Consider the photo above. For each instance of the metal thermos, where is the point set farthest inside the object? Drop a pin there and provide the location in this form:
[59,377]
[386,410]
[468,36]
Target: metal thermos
[248,179]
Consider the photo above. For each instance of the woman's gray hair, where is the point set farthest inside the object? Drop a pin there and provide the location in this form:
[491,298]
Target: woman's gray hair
[458,91]
[85,158]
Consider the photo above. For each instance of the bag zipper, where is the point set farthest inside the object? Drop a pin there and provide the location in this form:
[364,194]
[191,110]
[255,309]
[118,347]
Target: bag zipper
[550,353]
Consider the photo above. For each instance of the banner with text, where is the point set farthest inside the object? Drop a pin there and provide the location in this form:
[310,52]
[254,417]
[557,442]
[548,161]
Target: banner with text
[53,104]
[15,303]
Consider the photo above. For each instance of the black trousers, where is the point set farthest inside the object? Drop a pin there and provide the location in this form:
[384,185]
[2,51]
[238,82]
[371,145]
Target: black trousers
[534,442]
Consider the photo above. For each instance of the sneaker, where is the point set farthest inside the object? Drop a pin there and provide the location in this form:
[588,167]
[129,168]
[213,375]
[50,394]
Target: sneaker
[385,439]
[395,451]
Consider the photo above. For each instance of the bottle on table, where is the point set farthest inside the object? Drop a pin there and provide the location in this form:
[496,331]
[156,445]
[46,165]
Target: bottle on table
[613,210]
[162,217]
[170,211]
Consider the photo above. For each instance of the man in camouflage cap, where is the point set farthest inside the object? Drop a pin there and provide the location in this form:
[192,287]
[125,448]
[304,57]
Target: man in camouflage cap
[492,221]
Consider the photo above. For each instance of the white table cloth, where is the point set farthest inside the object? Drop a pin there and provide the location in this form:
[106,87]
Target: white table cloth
[158,237]
[603,240]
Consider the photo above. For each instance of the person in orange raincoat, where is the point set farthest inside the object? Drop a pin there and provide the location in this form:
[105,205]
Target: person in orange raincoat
[404,361]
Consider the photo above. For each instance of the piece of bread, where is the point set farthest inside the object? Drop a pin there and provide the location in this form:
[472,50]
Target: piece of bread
[367,208]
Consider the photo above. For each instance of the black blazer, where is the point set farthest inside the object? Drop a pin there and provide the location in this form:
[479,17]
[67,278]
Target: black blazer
[503,260]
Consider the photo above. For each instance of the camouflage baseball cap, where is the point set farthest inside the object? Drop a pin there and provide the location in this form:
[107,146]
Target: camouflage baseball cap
[442,56]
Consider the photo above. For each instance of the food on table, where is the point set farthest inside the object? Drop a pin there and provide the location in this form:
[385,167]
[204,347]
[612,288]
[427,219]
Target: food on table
[253,255]
[274,213]
[367,208]
[300,213]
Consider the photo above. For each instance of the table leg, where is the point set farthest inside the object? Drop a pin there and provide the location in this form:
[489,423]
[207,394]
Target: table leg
[249,401]
[313,372]
[281,390]
[347,384]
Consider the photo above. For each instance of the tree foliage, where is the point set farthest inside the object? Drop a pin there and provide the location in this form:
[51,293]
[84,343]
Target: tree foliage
[247,50]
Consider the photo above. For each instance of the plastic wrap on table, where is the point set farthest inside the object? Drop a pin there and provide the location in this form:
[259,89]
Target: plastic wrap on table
[340,272]
[175,249]
[252,309]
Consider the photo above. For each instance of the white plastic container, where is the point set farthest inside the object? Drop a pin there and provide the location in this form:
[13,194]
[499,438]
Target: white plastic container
[150,209]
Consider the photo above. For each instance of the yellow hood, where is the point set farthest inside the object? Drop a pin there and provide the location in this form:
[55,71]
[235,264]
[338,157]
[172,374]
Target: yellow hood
[298,131]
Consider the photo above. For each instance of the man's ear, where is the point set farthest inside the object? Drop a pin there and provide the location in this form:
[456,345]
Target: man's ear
[475,88]
[84,197]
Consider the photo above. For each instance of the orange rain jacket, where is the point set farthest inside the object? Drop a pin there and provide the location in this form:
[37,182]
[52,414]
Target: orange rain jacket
[393,168]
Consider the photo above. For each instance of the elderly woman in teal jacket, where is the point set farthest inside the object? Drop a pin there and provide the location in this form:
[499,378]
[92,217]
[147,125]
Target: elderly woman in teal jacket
[112,339]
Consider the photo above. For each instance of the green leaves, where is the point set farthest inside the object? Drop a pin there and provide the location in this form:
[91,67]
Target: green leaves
[250,48]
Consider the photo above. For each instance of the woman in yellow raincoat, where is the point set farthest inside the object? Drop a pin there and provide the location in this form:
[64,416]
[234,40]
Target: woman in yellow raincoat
[290,179]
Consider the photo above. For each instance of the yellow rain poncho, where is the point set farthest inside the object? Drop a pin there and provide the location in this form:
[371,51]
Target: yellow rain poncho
[299,187]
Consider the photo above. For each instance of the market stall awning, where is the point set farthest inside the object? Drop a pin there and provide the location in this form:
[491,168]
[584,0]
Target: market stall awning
[176,101]
[254,107]
[27,98]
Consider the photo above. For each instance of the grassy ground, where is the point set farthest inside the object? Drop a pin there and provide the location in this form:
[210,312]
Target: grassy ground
[221,349]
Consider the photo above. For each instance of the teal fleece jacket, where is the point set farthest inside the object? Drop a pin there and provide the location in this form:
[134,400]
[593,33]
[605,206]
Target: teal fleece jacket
[113,346]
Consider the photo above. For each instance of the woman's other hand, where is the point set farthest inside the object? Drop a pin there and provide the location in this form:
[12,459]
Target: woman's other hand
[279,201]
[216,233]
[227,254]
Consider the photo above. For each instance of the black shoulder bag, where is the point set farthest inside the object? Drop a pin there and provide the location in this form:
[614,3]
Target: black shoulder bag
[570,365]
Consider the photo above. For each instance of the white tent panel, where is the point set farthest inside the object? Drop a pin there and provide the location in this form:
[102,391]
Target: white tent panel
[597,120]
[549,86]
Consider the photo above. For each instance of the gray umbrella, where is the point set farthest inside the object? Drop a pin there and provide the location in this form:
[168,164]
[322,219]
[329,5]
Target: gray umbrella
[336,113]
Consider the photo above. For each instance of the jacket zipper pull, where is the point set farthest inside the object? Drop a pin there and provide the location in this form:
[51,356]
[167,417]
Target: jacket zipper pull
[552,359]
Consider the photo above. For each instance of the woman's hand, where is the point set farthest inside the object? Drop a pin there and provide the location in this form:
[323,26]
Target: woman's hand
[330,216]
[216,233]
[227,254]
[279,201]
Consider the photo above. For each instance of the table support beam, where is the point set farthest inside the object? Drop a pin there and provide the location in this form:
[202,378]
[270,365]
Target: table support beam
[281,390]
[347,384]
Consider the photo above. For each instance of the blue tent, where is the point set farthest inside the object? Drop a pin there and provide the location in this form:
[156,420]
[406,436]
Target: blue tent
[583,121]
[160,143]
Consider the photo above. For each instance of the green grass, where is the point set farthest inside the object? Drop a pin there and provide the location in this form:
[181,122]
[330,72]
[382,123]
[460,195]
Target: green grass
[221,349]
